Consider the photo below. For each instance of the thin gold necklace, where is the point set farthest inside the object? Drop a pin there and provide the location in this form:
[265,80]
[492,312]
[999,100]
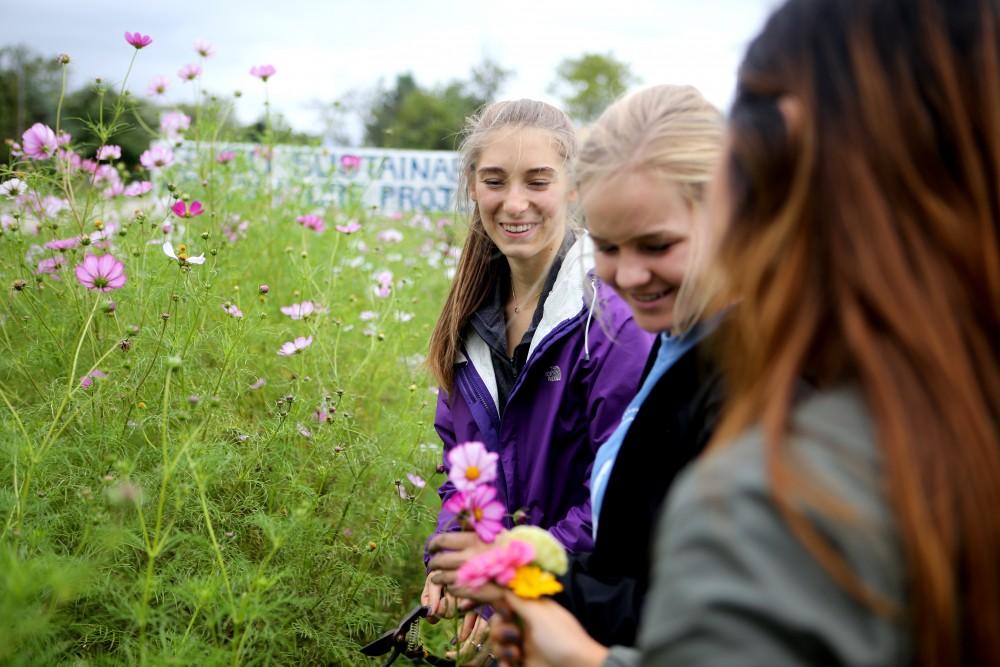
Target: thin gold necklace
[513,293]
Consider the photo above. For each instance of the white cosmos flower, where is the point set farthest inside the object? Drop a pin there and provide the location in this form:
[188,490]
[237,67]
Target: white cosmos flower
[182,256]
[13,187]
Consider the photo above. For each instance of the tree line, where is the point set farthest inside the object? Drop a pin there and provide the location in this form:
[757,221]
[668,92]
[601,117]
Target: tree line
[404,115]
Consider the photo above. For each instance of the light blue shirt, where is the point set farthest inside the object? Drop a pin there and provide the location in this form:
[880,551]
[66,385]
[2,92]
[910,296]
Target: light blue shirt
[671,349]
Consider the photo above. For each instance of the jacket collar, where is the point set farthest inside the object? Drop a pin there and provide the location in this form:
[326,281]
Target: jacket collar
[563,303]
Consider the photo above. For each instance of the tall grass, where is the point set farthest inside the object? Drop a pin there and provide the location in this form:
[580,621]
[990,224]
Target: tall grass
[179,511]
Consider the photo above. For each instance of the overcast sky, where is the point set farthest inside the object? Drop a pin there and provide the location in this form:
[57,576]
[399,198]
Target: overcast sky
[324,48]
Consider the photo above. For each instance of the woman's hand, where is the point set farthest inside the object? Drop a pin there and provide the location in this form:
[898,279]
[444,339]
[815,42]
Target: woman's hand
[450,550]
[550,635]
[440,603]
[475,649]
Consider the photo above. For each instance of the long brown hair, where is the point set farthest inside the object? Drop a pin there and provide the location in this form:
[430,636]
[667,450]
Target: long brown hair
[477,270]
[862,246]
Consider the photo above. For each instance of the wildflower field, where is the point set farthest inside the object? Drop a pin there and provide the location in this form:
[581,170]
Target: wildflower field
[216,440]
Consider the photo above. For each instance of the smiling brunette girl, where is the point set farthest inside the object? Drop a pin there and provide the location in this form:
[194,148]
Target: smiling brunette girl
[535,356]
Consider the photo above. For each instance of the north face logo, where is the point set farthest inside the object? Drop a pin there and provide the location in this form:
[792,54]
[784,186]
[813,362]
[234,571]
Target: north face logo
[553,374]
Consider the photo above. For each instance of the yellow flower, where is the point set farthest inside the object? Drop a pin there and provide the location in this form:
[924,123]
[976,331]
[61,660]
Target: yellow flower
[531,582]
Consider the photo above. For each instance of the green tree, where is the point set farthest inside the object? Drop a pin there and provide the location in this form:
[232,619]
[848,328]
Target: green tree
[409,116]
[385,108]
[29,90]
[588,84]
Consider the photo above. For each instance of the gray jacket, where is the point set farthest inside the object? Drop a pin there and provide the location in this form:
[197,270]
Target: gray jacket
[734,586]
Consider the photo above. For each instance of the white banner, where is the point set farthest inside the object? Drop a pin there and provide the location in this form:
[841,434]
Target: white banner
[393,180]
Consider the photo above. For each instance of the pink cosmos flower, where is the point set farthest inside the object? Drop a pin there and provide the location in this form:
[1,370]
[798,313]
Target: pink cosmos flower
[50,265]
[313,222]
[416,480]
[350,162]
[498,564]
[367,315]
[47,206]
[300,311]
[349,228]
[384,287]
[113,190]
[106,172]
[166,227]
[157,157]
[322,414]
[109,152]
[225,157]
[158,86]
[203,48]
[189,72]
[236,232]
[390,236]
[480,509]
[295,346]
[102,273]
[174,123]
[63,244]
[138,40]
[39,142]
[89,166]
[138,188]
[303,431]
[232,310]
[471,465]
[262,72]
[258,383]
[182,210]
[88,380]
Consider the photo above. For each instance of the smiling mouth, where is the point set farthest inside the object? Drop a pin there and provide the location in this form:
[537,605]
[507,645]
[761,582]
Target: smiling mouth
[649,298]
[515,228]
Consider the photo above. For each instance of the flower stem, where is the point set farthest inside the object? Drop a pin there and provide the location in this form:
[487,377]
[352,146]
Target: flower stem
[62,96]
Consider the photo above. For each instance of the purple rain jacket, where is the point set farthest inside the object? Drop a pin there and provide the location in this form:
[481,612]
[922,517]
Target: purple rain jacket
[583,368]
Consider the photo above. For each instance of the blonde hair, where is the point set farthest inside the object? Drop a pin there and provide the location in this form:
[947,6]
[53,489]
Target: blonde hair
[674,131]
[476,271]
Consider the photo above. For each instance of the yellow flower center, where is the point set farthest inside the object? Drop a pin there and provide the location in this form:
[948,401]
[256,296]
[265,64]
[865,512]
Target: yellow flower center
[478,514]
[472,473]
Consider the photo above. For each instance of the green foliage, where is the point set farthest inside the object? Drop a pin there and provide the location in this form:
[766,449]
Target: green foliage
[409,116]
[588,84]
[29,85]
[175,512]
[87,106]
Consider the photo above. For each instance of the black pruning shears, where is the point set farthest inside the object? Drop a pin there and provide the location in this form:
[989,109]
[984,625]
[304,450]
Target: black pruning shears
[405,641]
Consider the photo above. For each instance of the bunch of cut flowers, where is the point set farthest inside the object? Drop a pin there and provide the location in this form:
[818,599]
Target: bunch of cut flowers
[525,559]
